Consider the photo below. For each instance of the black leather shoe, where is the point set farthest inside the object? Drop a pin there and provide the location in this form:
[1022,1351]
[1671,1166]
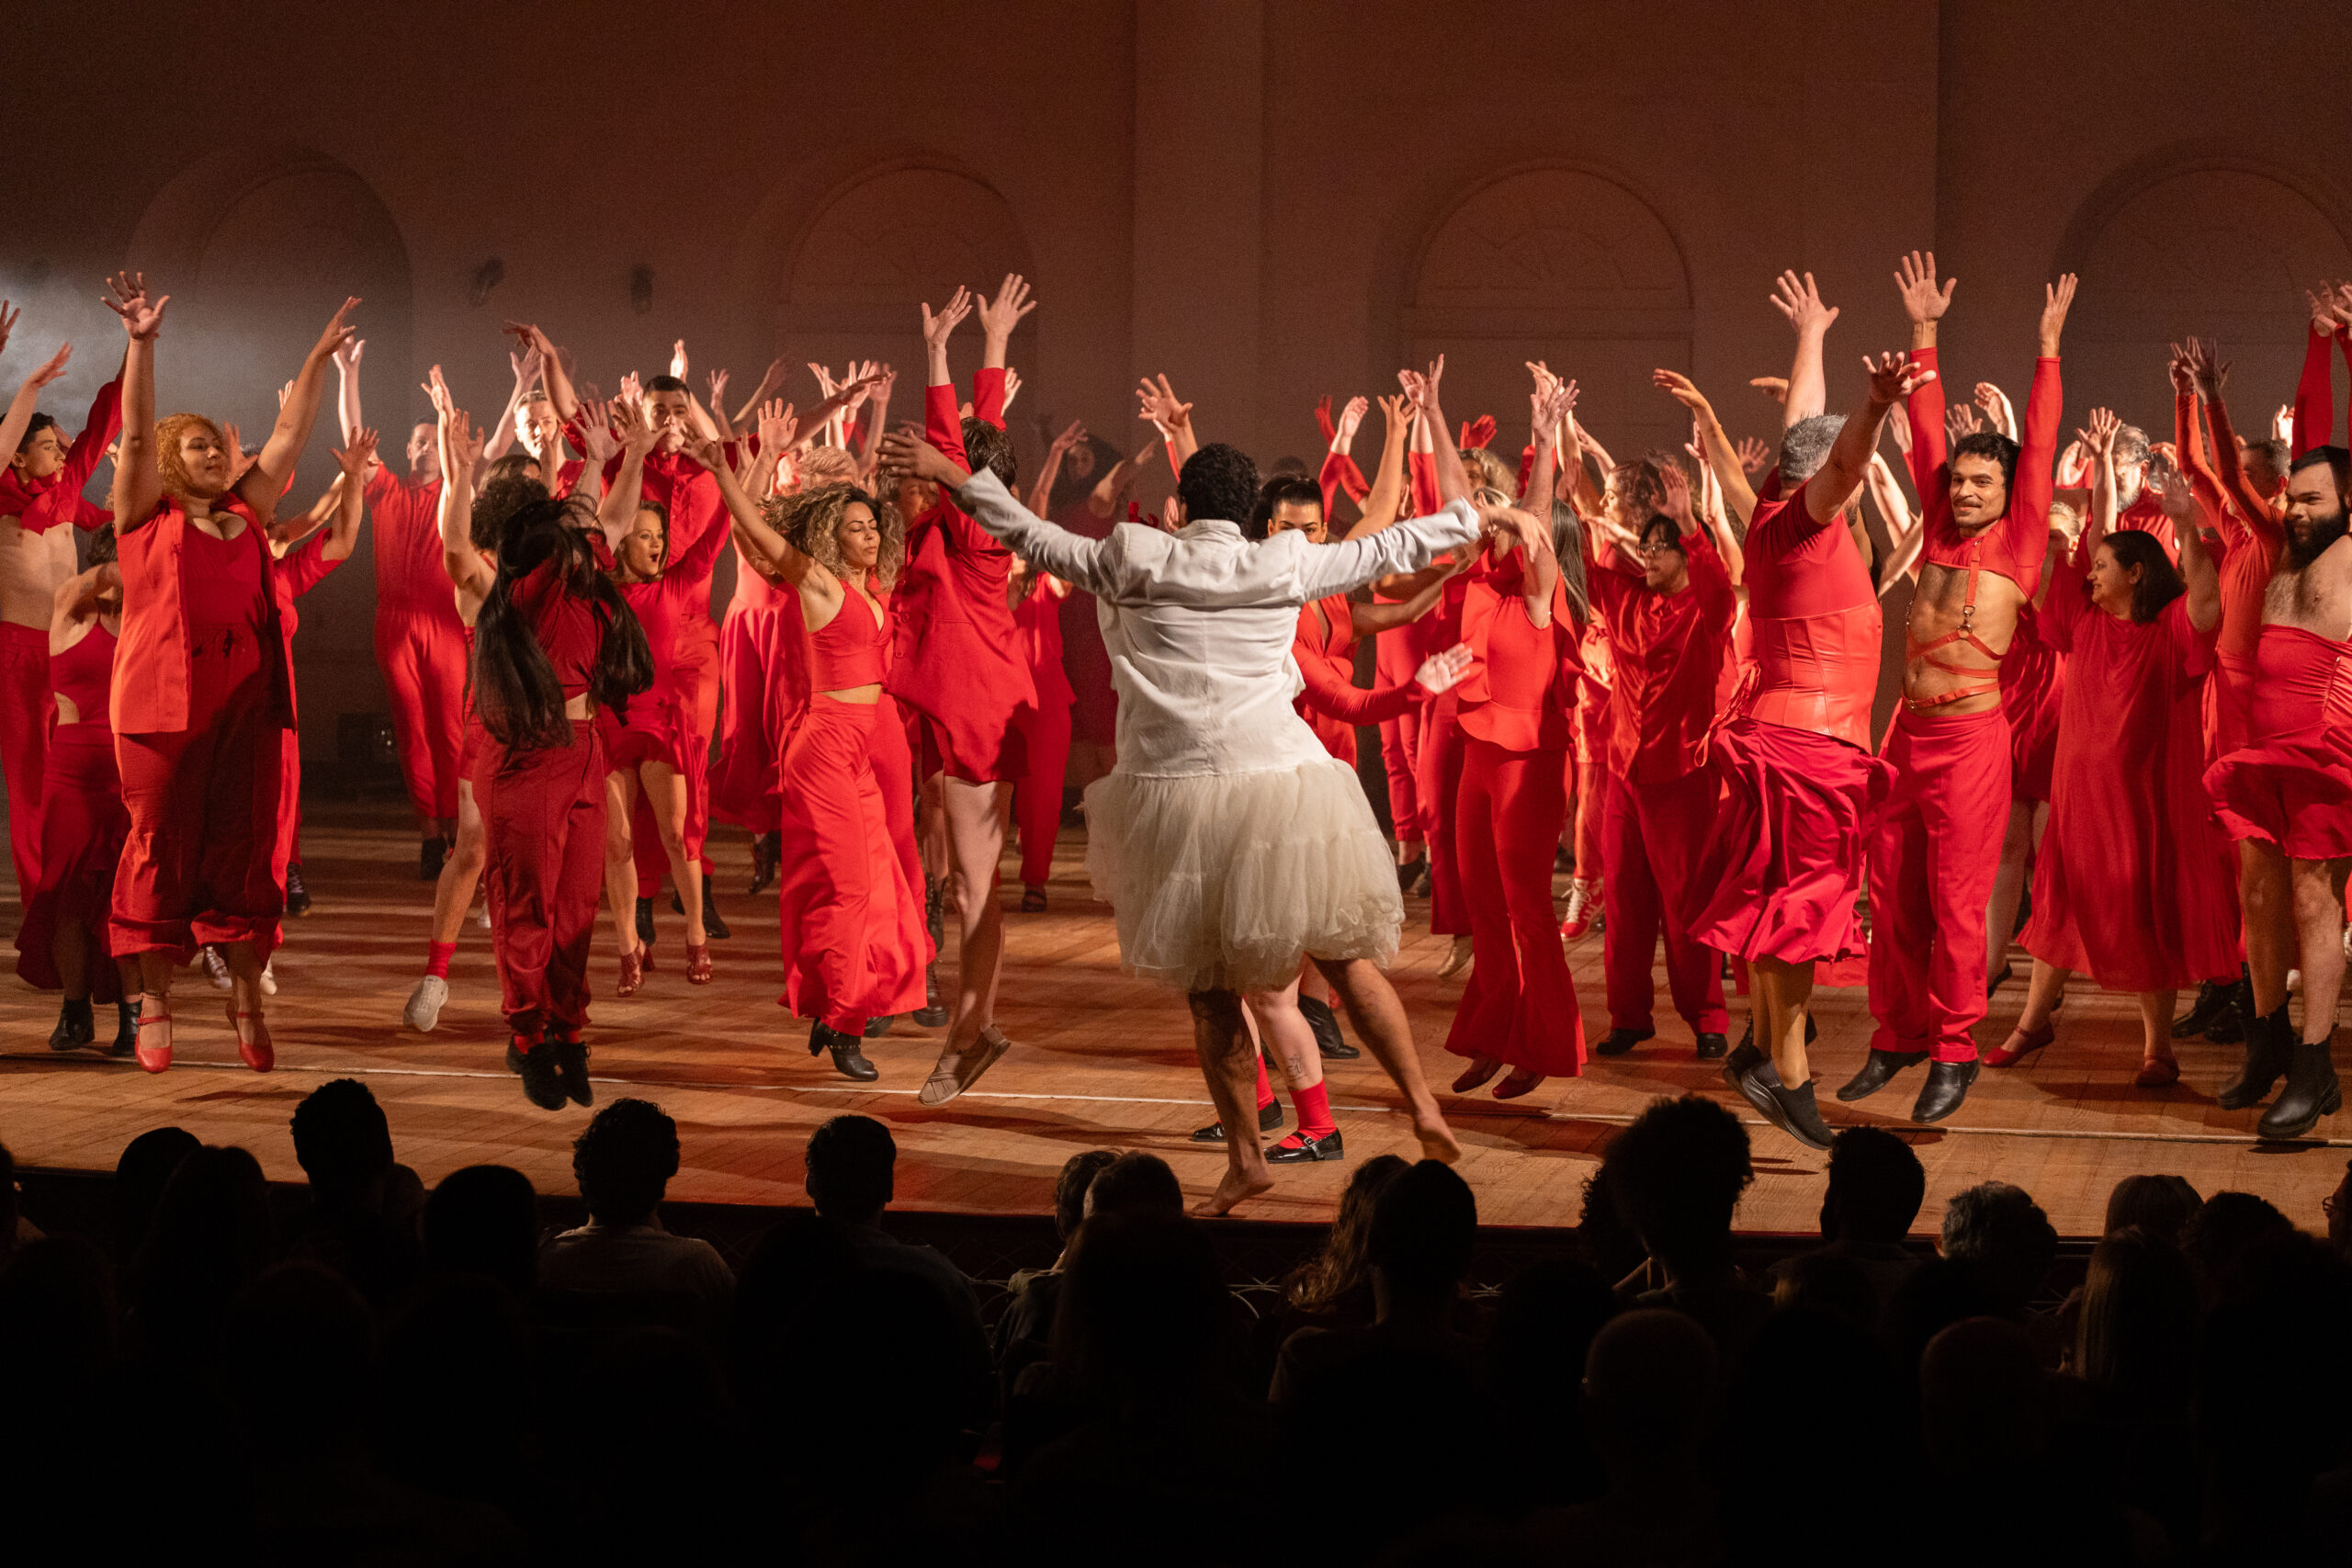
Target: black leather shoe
[645,919]
[1328,1041]
[542,1079]
[1710,1047]
[572,1068]
[1878,1070]
[1617,1042]
[1270,1116]
[1794,1112]
[933,1014]
[76,1027]
[2311,1093]
[430,854]
[1306,1151]
[2270,1047]
[713,927]
[2211,998]
[767,858]
[1946,1087]
[126,1031]
[849,1056]
[297,897]
[876,1028]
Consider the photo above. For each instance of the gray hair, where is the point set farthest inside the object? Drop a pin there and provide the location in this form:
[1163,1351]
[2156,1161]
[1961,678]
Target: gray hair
[1806,444]
[2130,447]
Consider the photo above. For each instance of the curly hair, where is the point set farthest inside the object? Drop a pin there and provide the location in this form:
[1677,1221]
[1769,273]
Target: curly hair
[1637,488]
[168,431]
[1486,468]
[811,521]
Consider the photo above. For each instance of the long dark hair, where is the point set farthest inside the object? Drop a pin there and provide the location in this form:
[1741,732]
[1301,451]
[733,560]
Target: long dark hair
[516,689]
[2159,583]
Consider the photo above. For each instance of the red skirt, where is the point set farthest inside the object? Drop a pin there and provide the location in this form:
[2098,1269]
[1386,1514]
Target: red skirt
[82,826]
[1785,861]
[2292,790]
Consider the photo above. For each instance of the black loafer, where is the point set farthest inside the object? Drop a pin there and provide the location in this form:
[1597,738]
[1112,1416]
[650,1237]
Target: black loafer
[1878,1071]
[1946,1087]
[75,1026]
[1328,1041]
[1712,1047]
[849,1056]
[933,1014]
[1306,1151]
[1617,1042]
[1270,1116]
[542,1079]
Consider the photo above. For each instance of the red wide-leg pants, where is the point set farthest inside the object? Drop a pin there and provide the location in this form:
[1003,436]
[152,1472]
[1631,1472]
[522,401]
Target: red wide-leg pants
[27,708]
[544,822]
[1438,785]
[1932,860]
[1037,793]
[1520,1006]
[1395,656]
[1651,835]
[423,660]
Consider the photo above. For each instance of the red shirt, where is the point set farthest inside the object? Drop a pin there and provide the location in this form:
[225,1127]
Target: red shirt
[1665,651]
[1329,700]
[1522,694]
[410,578]
[39,505]
[1813,619]
[151,666]
[2013,546]
[684,489]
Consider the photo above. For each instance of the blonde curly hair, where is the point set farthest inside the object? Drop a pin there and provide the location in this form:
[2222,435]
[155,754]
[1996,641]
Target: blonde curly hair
[811,521]
[168,431]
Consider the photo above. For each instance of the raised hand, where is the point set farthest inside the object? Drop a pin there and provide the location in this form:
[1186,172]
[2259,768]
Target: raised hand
[2201,358]
[1545,379]
[141,319]
[1160,404]
[354,459]
[904,455]
[1000,315]
[778,429]
[51,369]
[1072,433]
[638,434]
[1959,420]
[1754,456]
[1893,376]
[1396,410]
[1550,408]
[1479,431]
[1800,301]
[1679,387]
[2282,423]
[2184,380]
[2073,470]
[7,323]
[2323,301]
[2057,298]
[1915,279]
[1350,417]
[1901,430]
[2171,486]
[348,356]
[1773,387]
[678,359]
[1012,388]
[2099,435]
[596,430]
[338,331]
[937,328]
[234,444]
[436,390]
[718,389]
[710,454]
[1674,497]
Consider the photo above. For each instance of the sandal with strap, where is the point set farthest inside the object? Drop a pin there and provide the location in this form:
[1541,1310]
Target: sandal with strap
[632,972]
[154,1054]
[255,1052]
[697,964]
[2022,1043]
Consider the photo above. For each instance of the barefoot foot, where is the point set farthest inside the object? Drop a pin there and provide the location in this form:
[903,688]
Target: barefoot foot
[1438,1142]
[1237,1186]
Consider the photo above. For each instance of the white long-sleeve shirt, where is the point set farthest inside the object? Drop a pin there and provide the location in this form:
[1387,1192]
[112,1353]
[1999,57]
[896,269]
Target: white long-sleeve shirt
[1199,623]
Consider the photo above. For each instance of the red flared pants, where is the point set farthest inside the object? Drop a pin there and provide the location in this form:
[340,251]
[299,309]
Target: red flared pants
[1037,793]
[544,821]
[1651,835]
[1437,783]
[423,656]
[25,707]
[1520,1006]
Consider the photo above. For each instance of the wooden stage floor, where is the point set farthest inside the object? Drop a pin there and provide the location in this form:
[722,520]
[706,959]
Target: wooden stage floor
[1101,1059]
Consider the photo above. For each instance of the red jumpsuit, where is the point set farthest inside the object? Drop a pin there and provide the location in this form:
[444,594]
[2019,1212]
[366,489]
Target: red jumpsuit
[304,568]
[26,710]
[959,659]
[2134,885]
[83,825]
[419,641]
[852,922]
[544,823]
[1782,864]
[203,693]
[1665,651]
[1045,733]
[1516,712]
[1329,700]
[1938,842]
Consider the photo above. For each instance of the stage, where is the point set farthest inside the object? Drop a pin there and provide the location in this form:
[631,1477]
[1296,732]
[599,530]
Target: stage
[1100,1059]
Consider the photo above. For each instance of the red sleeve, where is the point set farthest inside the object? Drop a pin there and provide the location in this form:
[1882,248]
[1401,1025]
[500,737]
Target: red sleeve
[61,502]
[695,562]
[2068,600]
[2028,523]
[1710,579]
[2315,395]
[988,396]
[1421,466]
[306,565]
[1925,410]
[1340,473]
[943,424]
[1527,472]
[2253,507]
[1346,701]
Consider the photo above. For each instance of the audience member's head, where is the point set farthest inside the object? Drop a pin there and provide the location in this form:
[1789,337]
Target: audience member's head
[1078,1174]
[851,1166]
[2136,1337]
[2337,1205]
[1830,1283]
[623,1161]
[781,1294]
[1677,1174]
[484,1220]
[1544,1321]
[1343,1266]
[139,1177]
[1649,1382]
[1608,1241]
[1876,1185]
[1424,1225]
[57,1309]
[342,1141]
[1135,1183]
[2225,1228]
[1142,1313]
[2159,1205]
[1982,1391]
[2001,1232]
[211,1235]
[1932,1298]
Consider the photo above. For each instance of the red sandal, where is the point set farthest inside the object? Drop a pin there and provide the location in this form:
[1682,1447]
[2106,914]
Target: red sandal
[257,1051]
[153,1057]
[697,964]
[632,972]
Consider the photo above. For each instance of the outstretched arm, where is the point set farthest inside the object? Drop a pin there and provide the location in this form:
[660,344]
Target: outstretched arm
[1829,491]
[1171,416]
[765,547]
[20,417]
[1723,458]
[265,481]
[2253,506]
[2197,564]
[1800,301]
[527,375]
[618,508]
[1452,479]
[562,397]
[137,482]
[1382,502]
[1067,556]
[460,449]
[2316,392]
[342,529]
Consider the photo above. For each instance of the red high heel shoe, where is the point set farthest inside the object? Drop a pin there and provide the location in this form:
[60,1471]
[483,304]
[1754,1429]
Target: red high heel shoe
[697,964]
[255,1050]
[632,972]
[153,1057]
[2021,1045]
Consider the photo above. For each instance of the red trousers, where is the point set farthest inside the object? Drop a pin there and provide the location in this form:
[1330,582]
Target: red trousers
[893,755]
[1395,657]
[544,822]
[1037,793]
[1437,783]
[852,928]
[197,865]
[1520,1006]
[1652,834]
[25,709]
[1933,855]
[423,660]
[82,826]
[742,785]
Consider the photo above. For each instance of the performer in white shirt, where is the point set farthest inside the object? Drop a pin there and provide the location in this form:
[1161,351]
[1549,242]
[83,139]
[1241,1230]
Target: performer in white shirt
[1227,840]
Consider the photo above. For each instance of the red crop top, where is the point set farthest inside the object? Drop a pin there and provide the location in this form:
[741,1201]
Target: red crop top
[853,649]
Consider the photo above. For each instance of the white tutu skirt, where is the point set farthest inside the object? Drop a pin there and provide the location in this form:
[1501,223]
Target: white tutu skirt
[1226,881]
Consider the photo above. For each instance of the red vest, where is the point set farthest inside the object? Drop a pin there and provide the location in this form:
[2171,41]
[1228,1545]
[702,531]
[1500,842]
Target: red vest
[150,667]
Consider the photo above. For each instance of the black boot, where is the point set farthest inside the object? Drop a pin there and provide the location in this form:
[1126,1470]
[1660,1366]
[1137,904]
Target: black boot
[542,1078]
[1878,1070]
[849,1056]
[713,927]
[933,1014]
[76,1027]
[2212,997]
[571,1070]
[2311,1093]
[2228,1025]
[645,921]
[1328,1042]
[876,1028]
[1946,1087]
[767,857]
[1270,1116]
[2269,1046]
[126,1028]
[297,897]
[1617,1042]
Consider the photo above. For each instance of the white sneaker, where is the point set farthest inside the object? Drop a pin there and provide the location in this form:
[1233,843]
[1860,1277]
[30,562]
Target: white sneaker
[482,916]
[2294,982]
[269,979]
[216,968]
[424,1010]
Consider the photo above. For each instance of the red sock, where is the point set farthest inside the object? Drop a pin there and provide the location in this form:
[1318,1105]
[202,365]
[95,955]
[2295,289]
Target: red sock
[1265,1085]
[1313,1108]
[437,957]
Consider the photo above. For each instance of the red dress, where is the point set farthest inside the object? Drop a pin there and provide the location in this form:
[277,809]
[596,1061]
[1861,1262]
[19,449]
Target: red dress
[2134,885]
[1517,715]
[83,824]
[659,725]
[2033,685]
[852,933]
[2290,784]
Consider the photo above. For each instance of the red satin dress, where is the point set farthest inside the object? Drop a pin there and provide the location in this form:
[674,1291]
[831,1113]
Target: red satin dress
[849,919]
[83,824]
